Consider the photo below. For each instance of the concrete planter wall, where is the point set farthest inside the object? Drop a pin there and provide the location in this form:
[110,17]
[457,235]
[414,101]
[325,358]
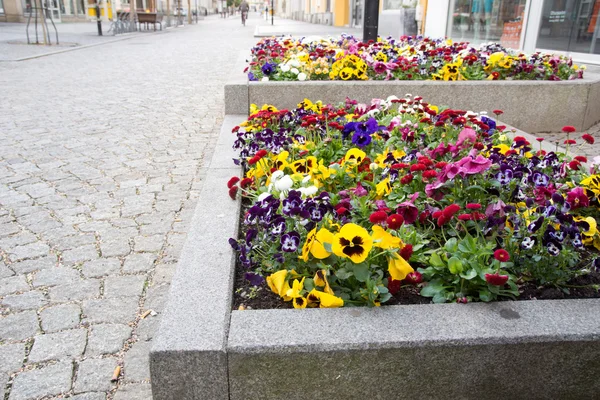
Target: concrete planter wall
[533,106]
[505,350]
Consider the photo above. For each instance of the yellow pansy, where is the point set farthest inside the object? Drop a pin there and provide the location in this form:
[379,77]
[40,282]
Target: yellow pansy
[385,240]
[297,287]
[384,187]
[398,267]
[354,156]
[353,242]
[324,300]
[592,225]
[278,283]
[314,244]
[346,73]
[321,281]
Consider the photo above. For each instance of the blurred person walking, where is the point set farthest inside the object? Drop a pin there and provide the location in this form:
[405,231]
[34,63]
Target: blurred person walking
[244,7]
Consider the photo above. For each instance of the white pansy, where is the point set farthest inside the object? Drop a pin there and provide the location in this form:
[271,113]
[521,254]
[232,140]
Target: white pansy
[390,98]
[301,76]
[263,196]
[470,114]
[284,67]
[295,71]
[306,179]
[294,63]
[373,112]
[276,175]
[308,191]
[265,78]
[373,166]
[284,184]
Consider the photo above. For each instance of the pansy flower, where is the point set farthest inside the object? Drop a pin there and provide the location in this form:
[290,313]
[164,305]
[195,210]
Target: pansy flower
[353,242]
[290,242]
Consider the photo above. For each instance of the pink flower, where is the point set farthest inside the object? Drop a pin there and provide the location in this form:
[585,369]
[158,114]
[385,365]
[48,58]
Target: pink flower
[408,211]
[379,67]
[432,190]
[577,198]
[360,191]
[450,171]
[472,166]
[466,135]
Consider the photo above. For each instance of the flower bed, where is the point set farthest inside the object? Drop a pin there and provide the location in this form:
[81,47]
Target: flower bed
[351,204]
[410,58]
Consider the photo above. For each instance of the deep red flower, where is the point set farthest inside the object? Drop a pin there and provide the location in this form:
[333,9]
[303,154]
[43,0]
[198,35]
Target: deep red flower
[341,210]
[253,160]
[473,206]
[568,129]
[477,216]
[463,300]
[498,112]
[569,141]
[501,255]
[244,183]
[233,192]
[406,251]
[378,217]
[232,181]
[540,139]
[441,164]
[414,278]
[423,216]
[395,221]
[496,279]
[581,159]
[417,167]
[235,129]
[406,179]
[429,174]
[589,139]
[450,210]
[394,286]
[443,220]
[574,164]
[500,128]
[465,217]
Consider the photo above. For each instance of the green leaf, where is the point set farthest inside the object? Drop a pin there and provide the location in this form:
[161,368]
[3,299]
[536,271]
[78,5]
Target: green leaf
[327,247]
[361,272]
[451,245]
[470,274]
[485,295]
[343,274]
[433,288]
[436,261]
[455,265]
[439,298]
[309,284]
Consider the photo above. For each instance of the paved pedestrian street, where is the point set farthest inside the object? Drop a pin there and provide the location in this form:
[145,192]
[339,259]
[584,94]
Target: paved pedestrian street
[102,152]
[101,160]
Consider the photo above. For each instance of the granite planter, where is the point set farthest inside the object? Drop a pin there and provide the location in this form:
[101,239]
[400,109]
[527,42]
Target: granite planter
[533,106]
[204,350]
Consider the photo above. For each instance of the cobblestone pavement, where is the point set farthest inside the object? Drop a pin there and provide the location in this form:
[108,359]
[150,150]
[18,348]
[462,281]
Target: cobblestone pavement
[101,160]
[581,148]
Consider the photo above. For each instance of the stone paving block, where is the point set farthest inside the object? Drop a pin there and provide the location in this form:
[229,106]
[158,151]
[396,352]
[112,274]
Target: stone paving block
[95,375]
[79,254]
[115,248]
[101,267]
[11,357]
[134,391]
[27,251]
[27,266]
[156,297]
[137,362]
[57,346]
[72,241]
[147,328]
[13,284]
[149,243]
[25,301]
[163,273]
[3,383]
[9,229]
[55,276]
[120,310]
[107,339]
[20,239]
[124,286]
[91,396]
[60,317]
[81,289]
[138,263]
[51,380]
[18,326]
[5,272]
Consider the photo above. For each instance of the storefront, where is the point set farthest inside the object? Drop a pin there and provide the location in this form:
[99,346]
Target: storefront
[565,26]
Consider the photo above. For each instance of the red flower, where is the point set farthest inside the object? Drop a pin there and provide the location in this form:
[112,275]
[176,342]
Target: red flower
[406,179]
[232,181]
[261,153]
[395,221]
[429,174]
[589,139]
[449,211]
[498,112]
[465,217]
[501,255]
[414,278]
[399,166]
[477,216]
[496,279]
[406,252]
[462,300]
[473,206]
[394,286]
[569,141]
[441,164]
[581,159]
[253,160]
[540,139]
[245,182]
[233,191]
[378,217]
[500,127]
[443,220]
[574,164]
[417,167]
[568,129]
[341,210]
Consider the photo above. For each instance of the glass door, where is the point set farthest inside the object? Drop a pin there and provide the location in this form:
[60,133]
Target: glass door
[52,10]
[571,26]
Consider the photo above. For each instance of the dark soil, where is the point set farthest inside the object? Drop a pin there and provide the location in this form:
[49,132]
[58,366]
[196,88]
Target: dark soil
[263,298]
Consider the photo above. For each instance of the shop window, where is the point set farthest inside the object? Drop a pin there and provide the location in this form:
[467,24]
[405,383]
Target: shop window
[572,25]
[482,21]
[1,7]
